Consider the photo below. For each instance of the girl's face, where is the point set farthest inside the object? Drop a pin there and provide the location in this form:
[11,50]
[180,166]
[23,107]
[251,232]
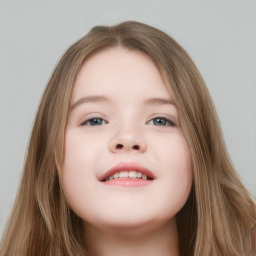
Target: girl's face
[122,116]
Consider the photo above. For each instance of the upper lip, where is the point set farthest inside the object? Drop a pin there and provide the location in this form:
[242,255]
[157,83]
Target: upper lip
[127,167]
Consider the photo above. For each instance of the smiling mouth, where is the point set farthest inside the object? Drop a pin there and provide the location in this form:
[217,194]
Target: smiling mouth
[128,174]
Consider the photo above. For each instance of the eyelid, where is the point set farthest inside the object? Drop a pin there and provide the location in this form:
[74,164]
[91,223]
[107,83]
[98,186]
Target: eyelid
[90,119]
[167,119]
[173,122]
[91,116]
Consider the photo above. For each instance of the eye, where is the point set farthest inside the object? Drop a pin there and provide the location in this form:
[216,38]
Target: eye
[94,122]
[161,121]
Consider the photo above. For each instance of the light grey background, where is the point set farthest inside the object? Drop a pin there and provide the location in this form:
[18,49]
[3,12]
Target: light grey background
[220,35]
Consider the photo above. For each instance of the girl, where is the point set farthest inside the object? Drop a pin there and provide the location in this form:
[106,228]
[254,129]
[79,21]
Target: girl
[127,157]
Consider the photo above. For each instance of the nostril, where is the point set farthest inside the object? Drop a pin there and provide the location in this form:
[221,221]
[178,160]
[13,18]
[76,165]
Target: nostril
[119,146]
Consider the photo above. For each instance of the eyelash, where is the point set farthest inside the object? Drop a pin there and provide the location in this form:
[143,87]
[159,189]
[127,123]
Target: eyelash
[167,121]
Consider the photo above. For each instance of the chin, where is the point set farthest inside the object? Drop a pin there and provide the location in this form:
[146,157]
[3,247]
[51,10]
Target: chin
[131,223]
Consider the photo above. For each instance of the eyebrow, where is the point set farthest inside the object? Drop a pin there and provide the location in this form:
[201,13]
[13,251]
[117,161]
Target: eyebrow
[89,99]
[99,98]
[159,101]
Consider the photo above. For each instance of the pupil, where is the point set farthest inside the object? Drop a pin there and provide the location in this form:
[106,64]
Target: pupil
[96,121]
[159,121]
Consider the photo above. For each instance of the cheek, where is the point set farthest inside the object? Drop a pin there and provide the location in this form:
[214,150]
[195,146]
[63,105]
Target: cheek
[176,179]
[78,149]
[77,175]
[181,164]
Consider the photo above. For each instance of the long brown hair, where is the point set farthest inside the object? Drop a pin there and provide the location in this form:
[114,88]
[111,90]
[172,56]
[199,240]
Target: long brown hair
[219,212]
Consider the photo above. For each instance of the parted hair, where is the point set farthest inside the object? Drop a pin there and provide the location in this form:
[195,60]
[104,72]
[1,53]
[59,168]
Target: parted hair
[219,213]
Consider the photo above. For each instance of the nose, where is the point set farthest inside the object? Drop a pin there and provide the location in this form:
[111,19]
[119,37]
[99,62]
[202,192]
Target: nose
[128,140]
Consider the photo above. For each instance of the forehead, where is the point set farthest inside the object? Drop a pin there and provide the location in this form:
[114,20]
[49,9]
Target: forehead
[119,72]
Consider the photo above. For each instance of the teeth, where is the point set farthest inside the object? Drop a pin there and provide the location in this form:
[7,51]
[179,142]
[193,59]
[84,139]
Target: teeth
[128,174]
[139,174]
[116,175]
[124,174]
[132,174]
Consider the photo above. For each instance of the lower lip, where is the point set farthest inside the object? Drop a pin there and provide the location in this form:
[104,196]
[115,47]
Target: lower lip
[128,182]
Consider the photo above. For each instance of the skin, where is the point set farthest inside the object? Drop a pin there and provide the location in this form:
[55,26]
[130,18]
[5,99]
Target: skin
[123,220]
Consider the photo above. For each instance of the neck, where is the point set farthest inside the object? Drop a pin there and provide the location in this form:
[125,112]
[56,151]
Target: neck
[137,242]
